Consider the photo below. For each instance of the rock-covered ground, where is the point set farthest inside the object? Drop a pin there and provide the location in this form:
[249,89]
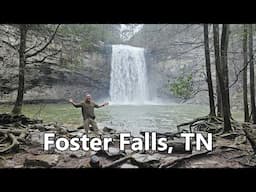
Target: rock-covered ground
[21,146]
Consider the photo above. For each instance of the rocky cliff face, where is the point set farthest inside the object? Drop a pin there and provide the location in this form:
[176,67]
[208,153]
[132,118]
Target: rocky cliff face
[178,50]
[71,73]
[171,51]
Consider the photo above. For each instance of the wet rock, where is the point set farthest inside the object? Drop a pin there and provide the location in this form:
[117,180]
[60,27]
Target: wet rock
[44,160]
[77,154]
[71,130]
[40,127]
[128,166]
[112,153]
[37,138]
[168,160]
[2,163]
[77,133]
[128,151]
[95,162]
[109,130]
[178,146]
[144,160]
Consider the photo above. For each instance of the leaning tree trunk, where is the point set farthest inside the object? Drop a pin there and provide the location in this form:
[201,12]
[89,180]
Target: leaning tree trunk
[22,61]
[208,70]
[252,88]
[245,97]
[217,63]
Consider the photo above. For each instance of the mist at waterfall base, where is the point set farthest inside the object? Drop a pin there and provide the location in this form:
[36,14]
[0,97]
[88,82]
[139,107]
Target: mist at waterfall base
[128,78]
[130,108]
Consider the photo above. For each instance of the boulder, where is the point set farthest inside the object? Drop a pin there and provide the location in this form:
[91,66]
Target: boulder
[111,153]
[178,146]
[95,162]
[128,166]
[109,130]
[145,160]
[44,160]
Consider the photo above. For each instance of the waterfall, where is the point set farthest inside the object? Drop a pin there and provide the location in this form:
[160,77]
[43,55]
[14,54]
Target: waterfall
[128,81]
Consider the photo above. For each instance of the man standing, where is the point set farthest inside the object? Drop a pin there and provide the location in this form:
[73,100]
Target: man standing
[88,112]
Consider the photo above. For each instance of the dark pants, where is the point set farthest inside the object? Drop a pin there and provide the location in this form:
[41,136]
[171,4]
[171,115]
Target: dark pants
[88,122]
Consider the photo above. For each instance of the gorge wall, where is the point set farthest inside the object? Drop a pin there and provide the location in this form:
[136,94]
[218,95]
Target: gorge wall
[71,73]
[178,50]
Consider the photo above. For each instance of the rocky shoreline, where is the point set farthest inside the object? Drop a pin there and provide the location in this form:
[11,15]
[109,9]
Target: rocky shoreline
[21,146]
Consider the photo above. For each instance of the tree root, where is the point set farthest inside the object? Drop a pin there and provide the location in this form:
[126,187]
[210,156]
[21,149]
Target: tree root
[250,134]
[10,137]
[13,146]
[180,160]
[210,124]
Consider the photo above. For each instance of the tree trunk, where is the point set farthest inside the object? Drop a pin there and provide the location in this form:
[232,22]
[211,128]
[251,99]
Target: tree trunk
[224,85]
[224,62]
[208,70]
[222,72]
[22,61]
[252,88]
[246,109]
[217,62]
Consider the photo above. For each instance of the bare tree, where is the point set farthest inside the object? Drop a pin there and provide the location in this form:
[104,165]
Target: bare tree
[245,53]
[24,54]
[217,63]
[222,71]
[208,70]
[22,62]
[252,88]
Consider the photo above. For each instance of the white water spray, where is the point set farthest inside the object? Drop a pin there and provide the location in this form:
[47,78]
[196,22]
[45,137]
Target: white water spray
[128,83]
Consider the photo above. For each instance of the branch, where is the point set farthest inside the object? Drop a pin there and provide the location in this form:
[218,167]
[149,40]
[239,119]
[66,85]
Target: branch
[10,45]
[34,46]
[238,74]
[44,58]
[198,91]
[46,45]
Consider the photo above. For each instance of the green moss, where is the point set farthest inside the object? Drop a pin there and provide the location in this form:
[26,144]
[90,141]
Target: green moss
[182,87]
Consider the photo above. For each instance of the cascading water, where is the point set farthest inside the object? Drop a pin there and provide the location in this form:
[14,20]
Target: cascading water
[128,83]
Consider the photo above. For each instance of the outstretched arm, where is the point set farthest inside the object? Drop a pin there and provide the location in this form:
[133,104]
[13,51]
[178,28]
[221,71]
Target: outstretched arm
[102,105]
[74,104]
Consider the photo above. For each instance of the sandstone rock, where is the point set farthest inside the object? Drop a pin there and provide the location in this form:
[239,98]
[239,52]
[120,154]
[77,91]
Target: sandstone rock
[109,130]
[178,146]
[144,160]
[112,153]
[44,160]
[2,163]
[37,137]
[128,166]
[77,154]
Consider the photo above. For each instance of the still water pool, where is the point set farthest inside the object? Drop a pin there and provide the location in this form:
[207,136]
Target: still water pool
[130,118]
